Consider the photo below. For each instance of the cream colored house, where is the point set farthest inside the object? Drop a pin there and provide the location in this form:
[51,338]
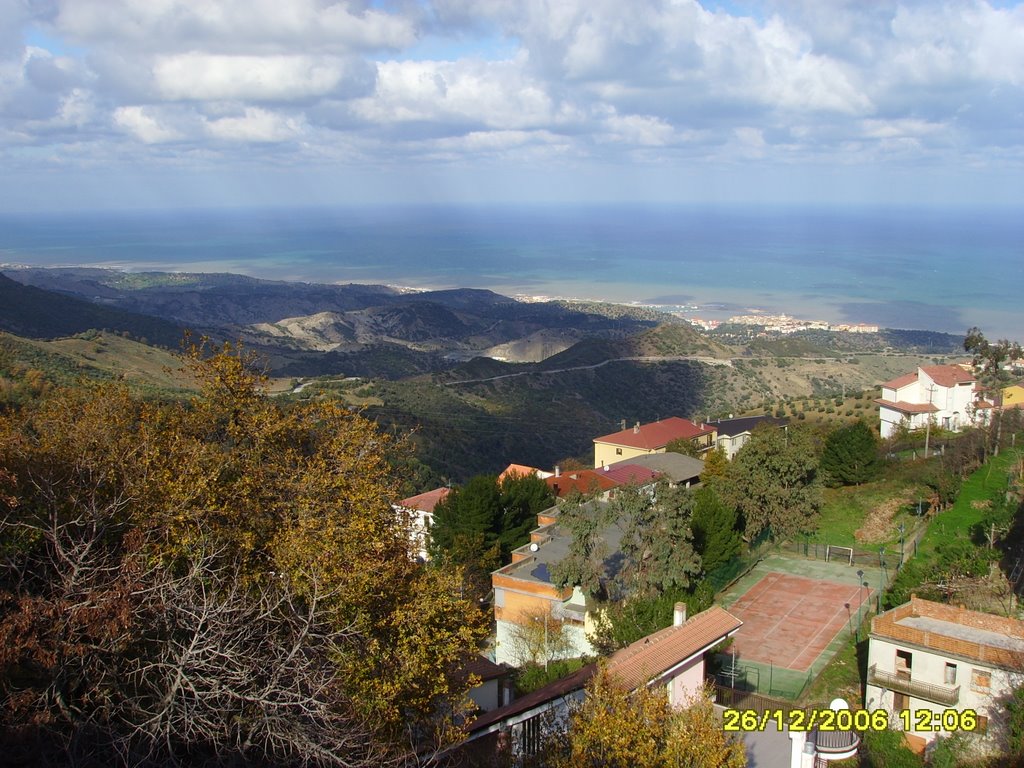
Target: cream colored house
[937,668]
[943,395]
[645,439]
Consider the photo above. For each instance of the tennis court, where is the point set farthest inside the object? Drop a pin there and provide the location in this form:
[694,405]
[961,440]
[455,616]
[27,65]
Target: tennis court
[796,615]
[789,621]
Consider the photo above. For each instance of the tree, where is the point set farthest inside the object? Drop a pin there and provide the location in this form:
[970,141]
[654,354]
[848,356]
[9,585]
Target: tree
[538,637]
[850,456]
[523,497]
[989,359]
[233,524]
[773,482]
[715,534]
[468,513]
[617,625]
[484,514]
[616,728]
[656,544]
[716,464]
[685,446]
[1015,726]
[584,565]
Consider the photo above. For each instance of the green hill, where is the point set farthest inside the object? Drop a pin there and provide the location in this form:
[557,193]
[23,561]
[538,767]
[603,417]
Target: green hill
[39,314]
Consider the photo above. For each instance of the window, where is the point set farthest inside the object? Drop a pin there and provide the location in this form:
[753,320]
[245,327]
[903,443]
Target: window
[530,736]
[904,663]
[982,724]
[618,451]
[981,680]
[900,702]
[950,676]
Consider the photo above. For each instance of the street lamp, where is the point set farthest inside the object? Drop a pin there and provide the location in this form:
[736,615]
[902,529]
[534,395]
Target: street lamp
[903,529]
[538,618]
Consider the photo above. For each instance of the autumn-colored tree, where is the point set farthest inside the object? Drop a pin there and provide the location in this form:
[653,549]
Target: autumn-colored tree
[615,728]
[267,523]
[716,464]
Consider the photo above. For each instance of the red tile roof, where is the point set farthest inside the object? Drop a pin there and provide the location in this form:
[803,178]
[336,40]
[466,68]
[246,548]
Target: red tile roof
[656,654]
[517,470]
[629,473]
[948,375]
[584,480]
[425,502]
[657,434]
[902,381]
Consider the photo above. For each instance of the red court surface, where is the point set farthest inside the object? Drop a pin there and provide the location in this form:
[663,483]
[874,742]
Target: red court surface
[789,620]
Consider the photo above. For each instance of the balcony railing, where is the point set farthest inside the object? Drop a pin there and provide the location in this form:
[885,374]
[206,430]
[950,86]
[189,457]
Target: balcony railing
[940,694]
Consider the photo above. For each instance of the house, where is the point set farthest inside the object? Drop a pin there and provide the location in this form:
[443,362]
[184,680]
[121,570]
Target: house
[674,468]
[588,482]
[527,602]
[672,658]
[495,688]
[938,668]
[1013,396]
[600,482]
[944,395]
[419,510]
[733,434]
[645,439]
[522,470]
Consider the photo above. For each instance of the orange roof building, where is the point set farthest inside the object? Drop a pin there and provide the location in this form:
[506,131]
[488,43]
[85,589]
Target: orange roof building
[644,439]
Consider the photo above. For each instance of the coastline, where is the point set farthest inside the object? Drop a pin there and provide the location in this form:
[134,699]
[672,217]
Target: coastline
[776,310]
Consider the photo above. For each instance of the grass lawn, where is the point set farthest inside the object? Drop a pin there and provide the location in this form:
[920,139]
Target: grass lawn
[845,510]
[984,489]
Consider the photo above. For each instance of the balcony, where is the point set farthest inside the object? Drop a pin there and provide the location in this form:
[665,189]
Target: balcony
[939,694]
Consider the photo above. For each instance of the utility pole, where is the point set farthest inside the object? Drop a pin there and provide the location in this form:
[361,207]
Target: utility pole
[928,423]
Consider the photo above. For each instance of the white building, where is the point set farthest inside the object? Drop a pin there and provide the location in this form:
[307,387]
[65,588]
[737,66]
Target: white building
[941,394]
[937,668]
[418,513]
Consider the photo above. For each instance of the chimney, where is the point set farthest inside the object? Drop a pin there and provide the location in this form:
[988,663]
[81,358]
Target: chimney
[636,428]
[558,471]
[679,614]
[622,425]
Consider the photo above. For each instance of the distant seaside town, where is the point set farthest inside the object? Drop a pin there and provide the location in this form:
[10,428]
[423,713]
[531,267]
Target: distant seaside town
[783,324]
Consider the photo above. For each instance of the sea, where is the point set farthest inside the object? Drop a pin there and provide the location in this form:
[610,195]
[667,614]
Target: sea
[942,269]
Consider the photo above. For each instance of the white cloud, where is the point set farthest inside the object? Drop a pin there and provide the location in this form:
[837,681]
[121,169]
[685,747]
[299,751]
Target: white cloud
[256,125]
[640,130]
[202,77]
[145,125]
[935,83]
[235,25]
[495,94]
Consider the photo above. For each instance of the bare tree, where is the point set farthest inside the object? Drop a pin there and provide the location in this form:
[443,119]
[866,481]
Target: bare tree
[124,659]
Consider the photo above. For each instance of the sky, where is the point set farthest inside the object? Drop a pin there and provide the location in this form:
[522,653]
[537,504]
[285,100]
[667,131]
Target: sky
[110,104]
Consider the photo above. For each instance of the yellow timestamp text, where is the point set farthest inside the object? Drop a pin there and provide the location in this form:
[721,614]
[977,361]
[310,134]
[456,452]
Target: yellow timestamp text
[751,720]
[939,720]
